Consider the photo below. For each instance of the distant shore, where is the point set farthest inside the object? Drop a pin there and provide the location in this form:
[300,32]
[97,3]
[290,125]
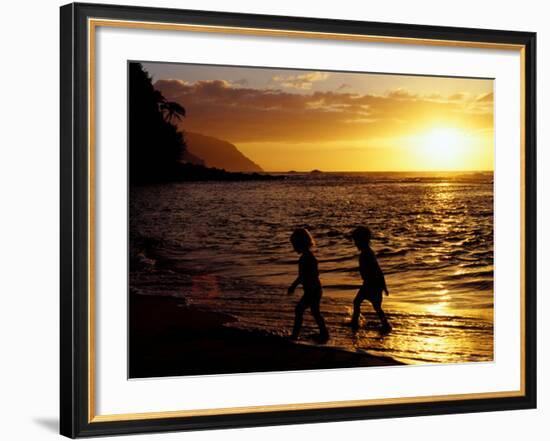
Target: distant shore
[170,338]
[192,172]
[187,172]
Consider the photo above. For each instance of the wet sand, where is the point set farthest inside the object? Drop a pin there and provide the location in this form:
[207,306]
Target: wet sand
[170,338]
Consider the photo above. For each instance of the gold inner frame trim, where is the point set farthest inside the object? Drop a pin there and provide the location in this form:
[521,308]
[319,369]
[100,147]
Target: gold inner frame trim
[261,32]
[299,406]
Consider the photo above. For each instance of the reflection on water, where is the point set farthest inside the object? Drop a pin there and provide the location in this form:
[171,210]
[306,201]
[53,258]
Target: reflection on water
[227,248]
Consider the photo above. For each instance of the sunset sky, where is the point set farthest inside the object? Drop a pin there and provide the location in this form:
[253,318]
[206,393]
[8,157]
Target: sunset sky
[333,121]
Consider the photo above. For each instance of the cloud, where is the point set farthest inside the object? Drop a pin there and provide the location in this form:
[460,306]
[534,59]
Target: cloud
[242,82]
[459,96]
[243,114]
[304,81]
[485,97]
[404,94]
[401,94]
[171,87]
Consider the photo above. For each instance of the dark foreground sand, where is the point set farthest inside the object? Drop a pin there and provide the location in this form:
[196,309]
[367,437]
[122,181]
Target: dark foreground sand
[168,338]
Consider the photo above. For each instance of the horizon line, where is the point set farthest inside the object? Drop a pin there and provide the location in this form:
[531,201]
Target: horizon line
[377,171]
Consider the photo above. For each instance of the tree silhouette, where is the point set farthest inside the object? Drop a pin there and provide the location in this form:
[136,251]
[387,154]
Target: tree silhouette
[172,110]
[155,143]
[156,146]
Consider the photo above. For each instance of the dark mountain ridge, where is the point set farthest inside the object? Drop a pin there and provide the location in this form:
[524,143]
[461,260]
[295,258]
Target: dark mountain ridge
[214,152]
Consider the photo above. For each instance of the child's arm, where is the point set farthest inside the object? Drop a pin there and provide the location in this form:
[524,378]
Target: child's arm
[294,284]
[384,286]
[305,268]
[298,280]
[363,266]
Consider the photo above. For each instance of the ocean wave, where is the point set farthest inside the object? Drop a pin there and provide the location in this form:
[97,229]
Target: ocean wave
[481,285]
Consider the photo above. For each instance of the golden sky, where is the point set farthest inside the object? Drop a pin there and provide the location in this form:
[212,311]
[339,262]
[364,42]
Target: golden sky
[301,120]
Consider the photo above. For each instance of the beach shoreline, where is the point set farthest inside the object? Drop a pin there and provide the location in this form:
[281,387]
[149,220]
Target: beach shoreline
[168,338]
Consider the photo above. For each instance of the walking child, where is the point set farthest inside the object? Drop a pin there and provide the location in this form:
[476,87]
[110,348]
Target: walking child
[308,277]
[373,280]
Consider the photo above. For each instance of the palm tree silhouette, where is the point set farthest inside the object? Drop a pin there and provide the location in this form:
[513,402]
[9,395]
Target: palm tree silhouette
[156,144]
[171,110]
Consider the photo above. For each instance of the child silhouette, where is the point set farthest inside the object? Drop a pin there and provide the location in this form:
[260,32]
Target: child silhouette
[373,280]
[308,277]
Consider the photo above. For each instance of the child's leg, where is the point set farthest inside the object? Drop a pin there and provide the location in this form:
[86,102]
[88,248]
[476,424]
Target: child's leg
[299,316]
[316,312]
[380,312]
[356,309]
[377,305]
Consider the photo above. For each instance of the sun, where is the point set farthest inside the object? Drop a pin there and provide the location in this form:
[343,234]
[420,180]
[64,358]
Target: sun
[444,147]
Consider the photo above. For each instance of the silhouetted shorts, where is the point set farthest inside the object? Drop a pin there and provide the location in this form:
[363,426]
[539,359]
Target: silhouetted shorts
[311,298]
[371,293]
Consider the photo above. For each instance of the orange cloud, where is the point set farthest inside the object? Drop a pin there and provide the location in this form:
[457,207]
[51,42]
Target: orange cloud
[240,114]
[304,81]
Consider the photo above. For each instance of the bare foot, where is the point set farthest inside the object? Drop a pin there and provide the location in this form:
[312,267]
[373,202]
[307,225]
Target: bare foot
[321,338]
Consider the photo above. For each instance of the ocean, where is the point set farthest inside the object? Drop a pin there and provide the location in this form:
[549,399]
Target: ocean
[224,246]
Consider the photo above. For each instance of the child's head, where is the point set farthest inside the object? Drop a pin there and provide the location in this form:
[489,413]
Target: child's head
[301,240]
[361,236]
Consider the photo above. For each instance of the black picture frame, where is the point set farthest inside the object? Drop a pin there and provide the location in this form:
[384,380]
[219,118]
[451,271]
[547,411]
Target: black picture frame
[77,419]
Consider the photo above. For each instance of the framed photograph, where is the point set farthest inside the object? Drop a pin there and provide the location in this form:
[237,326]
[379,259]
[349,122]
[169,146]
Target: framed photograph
[275,220]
